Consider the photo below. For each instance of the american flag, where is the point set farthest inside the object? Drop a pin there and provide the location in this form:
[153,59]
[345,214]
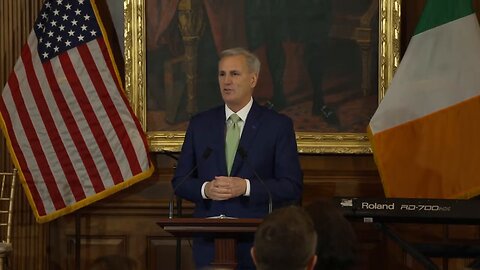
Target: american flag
[69,128]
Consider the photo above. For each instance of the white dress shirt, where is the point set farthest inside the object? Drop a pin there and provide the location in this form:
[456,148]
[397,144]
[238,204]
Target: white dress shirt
[243,114]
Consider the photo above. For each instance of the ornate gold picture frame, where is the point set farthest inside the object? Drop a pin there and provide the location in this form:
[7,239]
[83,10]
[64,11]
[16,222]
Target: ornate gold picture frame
[316,141]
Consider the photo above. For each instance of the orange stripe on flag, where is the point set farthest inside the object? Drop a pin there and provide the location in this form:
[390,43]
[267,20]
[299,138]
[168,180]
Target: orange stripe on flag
[426,156]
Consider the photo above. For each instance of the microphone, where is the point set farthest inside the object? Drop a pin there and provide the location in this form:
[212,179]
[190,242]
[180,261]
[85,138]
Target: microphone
[269,104]
[206,154]
[169,154]
[244,156]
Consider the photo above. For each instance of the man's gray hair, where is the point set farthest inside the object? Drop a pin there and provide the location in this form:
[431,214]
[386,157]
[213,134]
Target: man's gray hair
[252,60]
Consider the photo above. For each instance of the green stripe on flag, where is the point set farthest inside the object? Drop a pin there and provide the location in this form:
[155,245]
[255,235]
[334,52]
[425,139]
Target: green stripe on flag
[438,12]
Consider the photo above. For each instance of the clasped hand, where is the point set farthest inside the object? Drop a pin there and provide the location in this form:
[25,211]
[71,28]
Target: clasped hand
[225,187]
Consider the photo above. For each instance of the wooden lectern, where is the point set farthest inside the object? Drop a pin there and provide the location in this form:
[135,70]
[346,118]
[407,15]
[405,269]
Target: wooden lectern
[224,230]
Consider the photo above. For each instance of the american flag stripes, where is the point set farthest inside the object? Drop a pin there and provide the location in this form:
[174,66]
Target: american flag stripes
[69,127]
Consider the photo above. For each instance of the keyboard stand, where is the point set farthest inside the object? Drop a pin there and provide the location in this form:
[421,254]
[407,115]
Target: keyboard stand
[410,249]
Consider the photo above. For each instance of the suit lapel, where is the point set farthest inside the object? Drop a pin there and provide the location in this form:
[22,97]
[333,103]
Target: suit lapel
[248,134]
[218,126]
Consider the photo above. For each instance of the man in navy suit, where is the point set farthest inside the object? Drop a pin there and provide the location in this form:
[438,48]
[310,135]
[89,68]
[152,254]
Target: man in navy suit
[267,147]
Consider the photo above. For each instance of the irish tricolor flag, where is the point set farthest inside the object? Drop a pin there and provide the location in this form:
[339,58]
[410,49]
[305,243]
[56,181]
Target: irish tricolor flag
[426,131]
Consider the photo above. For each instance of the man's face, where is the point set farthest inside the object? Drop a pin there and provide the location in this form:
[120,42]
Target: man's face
[236,81]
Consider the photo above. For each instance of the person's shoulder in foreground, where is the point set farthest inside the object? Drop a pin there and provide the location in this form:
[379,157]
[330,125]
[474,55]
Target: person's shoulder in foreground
[337,242]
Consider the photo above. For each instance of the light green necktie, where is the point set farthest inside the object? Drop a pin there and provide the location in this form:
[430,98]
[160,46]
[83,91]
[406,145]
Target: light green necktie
[231,140]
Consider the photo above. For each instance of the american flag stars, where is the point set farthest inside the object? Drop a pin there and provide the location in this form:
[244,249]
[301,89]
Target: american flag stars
[64,24]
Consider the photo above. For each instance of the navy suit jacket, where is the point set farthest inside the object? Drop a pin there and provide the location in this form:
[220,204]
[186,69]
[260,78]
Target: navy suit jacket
[268,138]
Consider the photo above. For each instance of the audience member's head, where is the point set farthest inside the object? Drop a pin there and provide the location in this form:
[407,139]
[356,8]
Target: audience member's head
[337,242]
[113,262]
[286,239]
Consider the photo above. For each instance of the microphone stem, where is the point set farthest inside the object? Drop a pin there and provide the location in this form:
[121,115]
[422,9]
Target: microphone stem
[170,202]
[170,209]
[205,156]
[263,183]
[244,155]
[270,204]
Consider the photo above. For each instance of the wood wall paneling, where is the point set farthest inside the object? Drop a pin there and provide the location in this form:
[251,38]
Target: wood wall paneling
[94,246]
[129,219]
[161,252]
